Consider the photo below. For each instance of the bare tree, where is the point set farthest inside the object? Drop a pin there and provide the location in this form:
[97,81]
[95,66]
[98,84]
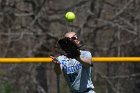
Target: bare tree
[31,28]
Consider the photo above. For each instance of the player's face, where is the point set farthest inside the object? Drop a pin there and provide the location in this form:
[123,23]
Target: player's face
[73,36]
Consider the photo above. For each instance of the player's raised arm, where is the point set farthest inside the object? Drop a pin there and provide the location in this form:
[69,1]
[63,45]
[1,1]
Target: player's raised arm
[71,45]
[85,58]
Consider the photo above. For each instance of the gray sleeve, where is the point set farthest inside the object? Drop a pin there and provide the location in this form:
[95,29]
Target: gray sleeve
[87,54]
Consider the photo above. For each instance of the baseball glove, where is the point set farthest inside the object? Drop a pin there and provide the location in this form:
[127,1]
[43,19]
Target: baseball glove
[70,47]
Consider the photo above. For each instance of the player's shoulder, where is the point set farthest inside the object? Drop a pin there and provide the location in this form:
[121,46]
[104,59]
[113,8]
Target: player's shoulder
[85,53]
[61,57]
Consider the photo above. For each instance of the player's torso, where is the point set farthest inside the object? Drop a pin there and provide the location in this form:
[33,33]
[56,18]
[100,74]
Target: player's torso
[75,74]
[71,68]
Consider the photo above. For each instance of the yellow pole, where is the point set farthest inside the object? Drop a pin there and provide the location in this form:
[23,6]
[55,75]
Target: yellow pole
[116,59]
[46,60]
[23,60]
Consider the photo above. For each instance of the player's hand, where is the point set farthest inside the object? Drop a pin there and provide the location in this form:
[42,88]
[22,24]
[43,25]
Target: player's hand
[70,47]
[54,60]
[57,68]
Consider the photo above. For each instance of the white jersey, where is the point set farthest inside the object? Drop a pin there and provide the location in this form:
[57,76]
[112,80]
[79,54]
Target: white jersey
[77,76]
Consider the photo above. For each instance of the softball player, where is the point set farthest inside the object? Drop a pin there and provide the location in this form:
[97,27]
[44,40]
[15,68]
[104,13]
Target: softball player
[76,71]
